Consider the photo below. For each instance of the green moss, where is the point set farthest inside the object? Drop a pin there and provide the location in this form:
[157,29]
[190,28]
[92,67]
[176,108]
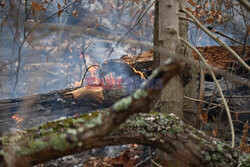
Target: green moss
[216,157]
[72,131]
[1,153]
[154,74]
[168,61]
[79,144]
[122,104]
[96,120]
[58,142]
[37,145]
[207,157]
[220,146]
[140,93]
[244,160]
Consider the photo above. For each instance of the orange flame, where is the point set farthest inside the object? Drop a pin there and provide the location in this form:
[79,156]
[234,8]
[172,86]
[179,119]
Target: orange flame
[92,70]
[18,119]
[139,72]
[110,79]
[77,83]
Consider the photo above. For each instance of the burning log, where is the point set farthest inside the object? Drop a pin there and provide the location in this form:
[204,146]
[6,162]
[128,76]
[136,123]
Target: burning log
[22,112]
[95,93]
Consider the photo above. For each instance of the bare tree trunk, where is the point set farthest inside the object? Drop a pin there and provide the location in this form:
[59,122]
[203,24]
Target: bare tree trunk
[166,33]
[190,72]
[167,29]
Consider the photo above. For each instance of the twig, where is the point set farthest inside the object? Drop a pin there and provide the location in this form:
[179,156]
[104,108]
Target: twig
[83,52]
[201,96]
[155,163]
[210,102]
[88,70]
[218,86]
[142,162]
[217,39]
[237,96]
[245,3]
[224,35]
[198,100]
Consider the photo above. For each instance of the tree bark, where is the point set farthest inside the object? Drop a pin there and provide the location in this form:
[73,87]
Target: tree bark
[166,31]
[57,104]
[162,131]
[190,72]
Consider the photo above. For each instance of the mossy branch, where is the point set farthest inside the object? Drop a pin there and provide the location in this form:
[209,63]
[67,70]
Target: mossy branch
[158,130]
[99,125]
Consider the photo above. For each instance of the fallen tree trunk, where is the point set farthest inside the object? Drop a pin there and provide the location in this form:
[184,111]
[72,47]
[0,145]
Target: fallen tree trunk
[162,131]
[56,104]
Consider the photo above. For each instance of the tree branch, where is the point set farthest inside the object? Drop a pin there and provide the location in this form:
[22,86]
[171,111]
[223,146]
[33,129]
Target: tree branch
[245,3]
[158,130]
[28,152]
[220,42]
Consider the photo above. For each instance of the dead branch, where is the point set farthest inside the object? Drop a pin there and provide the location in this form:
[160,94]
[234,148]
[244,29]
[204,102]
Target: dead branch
[216,39]
[218,87]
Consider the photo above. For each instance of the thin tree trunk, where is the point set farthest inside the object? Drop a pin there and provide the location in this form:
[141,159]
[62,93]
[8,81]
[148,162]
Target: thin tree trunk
[166,33]
[190,72]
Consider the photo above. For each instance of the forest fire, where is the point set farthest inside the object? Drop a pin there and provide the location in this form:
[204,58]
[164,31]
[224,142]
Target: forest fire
[139,72]
[18,119]
[110,79]
[92,70]
[77,83]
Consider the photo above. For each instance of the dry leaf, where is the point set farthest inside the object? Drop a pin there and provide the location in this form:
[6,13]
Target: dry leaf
[207,4]
[243,142]
[197,15]
[210,20]
[136,1]
[215,132]
[125,159]
[190,10]
[219,17]
[213,7]
[203,117]
[59,13]
[191,2]
[58,6]
[2,5]
[37,7]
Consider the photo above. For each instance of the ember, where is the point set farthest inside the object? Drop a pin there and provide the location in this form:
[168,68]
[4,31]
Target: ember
[110,79]
[77,83]
[18,119]
[139,72]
